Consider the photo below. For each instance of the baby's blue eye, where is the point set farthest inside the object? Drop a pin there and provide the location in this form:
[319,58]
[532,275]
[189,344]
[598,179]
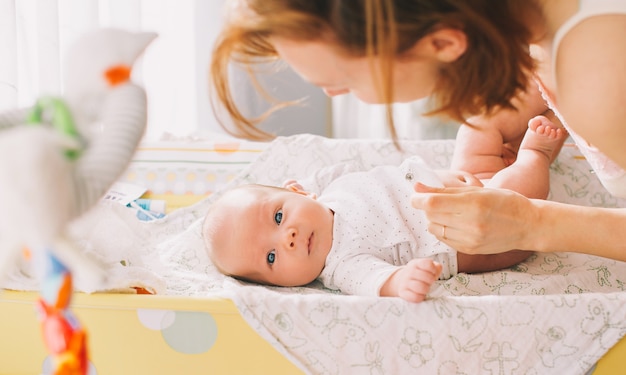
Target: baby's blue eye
[271,257]
[278,217]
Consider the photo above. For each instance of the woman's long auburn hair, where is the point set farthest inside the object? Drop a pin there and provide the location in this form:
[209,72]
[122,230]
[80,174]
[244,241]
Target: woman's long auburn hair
[489,74]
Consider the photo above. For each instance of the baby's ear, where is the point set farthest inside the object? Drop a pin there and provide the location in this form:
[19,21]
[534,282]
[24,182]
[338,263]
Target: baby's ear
[290,184]
[296,187]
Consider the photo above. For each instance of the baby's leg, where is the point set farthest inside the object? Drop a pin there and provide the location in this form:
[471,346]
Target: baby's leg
[530,173]
[490,262]
[542,138]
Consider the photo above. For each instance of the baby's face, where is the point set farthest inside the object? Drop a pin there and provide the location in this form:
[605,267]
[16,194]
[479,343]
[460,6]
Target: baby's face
[274,236]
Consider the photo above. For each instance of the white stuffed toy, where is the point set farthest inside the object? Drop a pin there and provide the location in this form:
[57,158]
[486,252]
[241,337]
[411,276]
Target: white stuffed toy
[60,157]
[57,159]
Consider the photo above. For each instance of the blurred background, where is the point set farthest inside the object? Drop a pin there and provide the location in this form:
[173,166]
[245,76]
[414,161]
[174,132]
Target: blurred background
[174,70]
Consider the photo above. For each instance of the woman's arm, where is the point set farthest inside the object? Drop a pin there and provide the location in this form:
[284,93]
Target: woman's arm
[489,221]
[580,229]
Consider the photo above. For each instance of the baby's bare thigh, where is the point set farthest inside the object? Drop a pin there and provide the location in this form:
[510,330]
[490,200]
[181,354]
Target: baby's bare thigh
[490,262]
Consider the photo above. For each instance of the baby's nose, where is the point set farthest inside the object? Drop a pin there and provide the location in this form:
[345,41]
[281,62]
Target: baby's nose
[290,239]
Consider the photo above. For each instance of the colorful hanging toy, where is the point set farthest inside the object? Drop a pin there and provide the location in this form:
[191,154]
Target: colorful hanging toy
[57,159]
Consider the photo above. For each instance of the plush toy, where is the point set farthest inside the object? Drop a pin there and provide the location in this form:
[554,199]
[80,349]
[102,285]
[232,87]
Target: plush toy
[57,159]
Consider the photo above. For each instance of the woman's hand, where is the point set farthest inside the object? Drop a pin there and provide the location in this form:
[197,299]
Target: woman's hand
[457,178]
[477,220]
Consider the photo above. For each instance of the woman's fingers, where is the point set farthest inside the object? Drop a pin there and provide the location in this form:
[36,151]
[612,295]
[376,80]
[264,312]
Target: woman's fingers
[476,220]
[435,200]
[421,188]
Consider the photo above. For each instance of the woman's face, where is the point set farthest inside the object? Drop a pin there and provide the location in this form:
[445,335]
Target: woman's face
[320,63]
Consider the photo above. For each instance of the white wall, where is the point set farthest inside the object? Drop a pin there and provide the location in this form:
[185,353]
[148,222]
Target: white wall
[311,116]
[352,118]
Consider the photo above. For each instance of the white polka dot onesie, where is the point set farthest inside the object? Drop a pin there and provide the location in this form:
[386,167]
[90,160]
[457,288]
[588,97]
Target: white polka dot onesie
[376,230]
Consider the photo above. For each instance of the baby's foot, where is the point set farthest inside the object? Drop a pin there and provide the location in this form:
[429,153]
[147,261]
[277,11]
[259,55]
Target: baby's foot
[543,136]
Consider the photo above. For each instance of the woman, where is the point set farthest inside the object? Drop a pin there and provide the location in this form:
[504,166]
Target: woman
[473,58]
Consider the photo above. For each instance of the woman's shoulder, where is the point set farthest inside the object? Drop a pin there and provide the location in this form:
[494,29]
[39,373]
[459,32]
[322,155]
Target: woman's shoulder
[590,81]
[580,25]
[591,61]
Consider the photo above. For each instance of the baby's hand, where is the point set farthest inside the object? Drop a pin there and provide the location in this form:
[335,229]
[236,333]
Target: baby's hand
[412,282]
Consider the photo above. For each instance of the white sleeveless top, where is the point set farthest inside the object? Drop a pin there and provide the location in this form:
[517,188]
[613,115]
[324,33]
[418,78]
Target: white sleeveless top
[612,176]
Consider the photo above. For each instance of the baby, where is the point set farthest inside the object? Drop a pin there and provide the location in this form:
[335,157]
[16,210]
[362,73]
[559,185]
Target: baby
[360,235]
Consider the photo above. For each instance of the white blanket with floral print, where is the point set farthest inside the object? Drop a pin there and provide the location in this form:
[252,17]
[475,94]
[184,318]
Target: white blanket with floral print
[553,314]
